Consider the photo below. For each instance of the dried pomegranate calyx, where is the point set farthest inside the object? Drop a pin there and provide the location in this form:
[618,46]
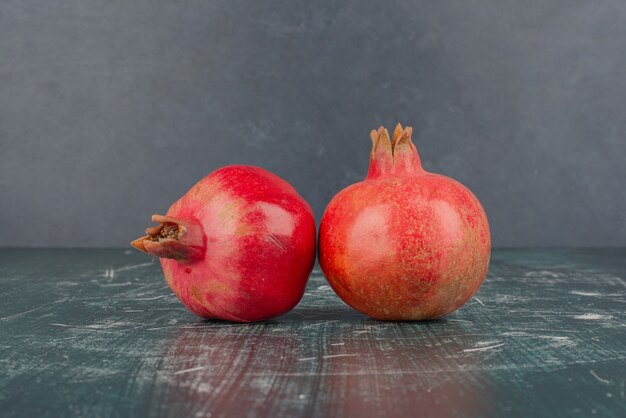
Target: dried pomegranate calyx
[381,141]
[182,240]
[395,155]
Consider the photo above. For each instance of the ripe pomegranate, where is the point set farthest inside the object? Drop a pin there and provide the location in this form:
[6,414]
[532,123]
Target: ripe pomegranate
[239,245]
[404,244]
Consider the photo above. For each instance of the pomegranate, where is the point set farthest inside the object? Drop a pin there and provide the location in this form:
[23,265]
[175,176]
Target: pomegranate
[404,244]
[239,245]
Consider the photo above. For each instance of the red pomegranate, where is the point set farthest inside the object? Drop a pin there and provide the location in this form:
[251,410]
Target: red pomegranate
[239,245]
[404,244]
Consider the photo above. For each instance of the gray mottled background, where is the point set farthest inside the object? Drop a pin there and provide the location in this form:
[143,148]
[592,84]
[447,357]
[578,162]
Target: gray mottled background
[110,110]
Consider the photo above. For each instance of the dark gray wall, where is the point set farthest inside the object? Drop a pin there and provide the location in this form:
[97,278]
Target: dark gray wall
[110,110]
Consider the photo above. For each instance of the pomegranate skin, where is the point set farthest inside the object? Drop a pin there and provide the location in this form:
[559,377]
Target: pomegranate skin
[253,249]
[404,244]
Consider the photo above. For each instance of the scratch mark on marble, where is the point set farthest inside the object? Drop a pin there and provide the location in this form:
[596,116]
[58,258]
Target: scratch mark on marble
[193,369]
[544,329]
[620,281]
[107,326]
[438,371]
[328,356]
[541,273]
[490,347]
[153,298]
[134,266]
[592,317]
[164,327]
[340,355]
[18,315]
[479,301]
[581,293]
[486,343]
[319,323]
[601,380]
[556,341]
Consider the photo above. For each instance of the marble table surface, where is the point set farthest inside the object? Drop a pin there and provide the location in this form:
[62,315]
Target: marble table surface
[98,333]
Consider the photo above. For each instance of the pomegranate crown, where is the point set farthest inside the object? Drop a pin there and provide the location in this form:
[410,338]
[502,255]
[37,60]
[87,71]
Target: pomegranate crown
[396,155]
[179,239]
